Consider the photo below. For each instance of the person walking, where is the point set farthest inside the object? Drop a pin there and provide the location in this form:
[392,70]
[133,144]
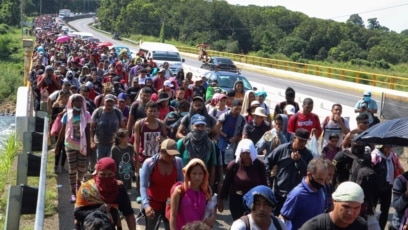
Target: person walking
[76,131]
[347,200]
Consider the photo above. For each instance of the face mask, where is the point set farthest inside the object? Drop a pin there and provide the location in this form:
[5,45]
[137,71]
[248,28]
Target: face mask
[198,134]
[76,108]
[315,184]
[367,98]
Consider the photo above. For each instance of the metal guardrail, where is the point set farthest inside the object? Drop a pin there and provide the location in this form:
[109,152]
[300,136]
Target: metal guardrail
[23,199]
[39,217]
[373,79]
[21,196]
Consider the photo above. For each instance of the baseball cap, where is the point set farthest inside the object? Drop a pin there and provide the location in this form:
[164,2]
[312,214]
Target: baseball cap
[367,93]
[302,134]
[122,97]
[109,97]
[167,83]
[290,109]
[198,119]
[349,191]
[260,190]
[198,98]
[170,146]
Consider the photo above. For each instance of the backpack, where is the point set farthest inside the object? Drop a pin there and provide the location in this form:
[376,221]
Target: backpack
[343,162]
[168,207]
[275,221]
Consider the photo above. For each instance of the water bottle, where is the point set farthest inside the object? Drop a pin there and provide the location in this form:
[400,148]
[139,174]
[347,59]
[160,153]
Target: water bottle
[209,209]
[229,154]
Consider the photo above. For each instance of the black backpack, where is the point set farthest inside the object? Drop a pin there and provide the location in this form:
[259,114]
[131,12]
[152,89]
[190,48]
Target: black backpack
[343,162]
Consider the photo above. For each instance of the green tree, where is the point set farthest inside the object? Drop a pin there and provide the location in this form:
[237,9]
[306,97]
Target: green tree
[347,50]
[373,24]
[355,19]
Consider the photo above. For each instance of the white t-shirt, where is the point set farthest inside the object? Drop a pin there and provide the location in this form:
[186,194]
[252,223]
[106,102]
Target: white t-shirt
[240,224]
[333,127]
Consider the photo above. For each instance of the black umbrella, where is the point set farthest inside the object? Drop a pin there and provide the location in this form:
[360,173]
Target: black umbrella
[392,132]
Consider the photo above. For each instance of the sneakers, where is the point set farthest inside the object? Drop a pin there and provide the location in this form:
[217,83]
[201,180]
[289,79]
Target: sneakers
[73,199]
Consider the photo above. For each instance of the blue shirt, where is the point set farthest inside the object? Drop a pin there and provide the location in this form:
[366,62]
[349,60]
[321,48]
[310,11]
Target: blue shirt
[301,205]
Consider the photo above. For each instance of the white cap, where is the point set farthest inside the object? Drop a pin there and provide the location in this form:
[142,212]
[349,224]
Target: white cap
[290,109]
[349,191]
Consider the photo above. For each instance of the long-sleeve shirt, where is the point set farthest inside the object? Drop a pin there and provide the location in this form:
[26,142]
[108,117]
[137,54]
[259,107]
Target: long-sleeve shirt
[241,179]
[289,172]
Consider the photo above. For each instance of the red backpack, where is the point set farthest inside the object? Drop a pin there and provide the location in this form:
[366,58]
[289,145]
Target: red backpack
[168,208]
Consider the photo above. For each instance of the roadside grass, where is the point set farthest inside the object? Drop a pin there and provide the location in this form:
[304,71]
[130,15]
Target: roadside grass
[12,66]
[51,194]
[7,176]
[12,77]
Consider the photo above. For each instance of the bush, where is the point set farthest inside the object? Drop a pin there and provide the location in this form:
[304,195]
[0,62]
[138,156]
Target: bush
[382,64]
[6,47]
[4,28]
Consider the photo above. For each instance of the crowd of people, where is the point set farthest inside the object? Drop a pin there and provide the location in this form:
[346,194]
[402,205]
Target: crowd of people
[183,140]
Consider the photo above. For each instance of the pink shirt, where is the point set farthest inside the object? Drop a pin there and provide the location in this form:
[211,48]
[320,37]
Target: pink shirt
[192,207]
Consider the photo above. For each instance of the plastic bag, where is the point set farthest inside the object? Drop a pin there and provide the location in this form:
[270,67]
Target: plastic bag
[56,126]
[312,145]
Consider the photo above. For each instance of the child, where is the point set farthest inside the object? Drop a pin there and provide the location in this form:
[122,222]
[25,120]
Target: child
[330,150]
[122,153]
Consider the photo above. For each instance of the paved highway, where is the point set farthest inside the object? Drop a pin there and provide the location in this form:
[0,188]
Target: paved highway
[346,98]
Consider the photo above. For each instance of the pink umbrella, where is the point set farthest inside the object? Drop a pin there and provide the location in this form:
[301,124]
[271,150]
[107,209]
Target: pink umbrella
[63,38]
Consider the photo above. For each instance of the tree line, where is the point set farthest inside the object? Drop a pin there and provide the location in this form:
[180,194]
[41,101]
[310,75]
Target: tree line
[267,31]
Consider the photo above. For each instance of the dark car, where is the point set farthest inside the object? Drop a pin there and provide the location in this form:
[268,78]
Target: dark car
[116,36]
[220,64]
[226,80]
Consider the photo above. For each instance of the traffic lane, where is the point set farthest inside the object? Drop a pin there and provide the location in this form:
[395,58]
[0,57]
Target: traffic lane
[347,98]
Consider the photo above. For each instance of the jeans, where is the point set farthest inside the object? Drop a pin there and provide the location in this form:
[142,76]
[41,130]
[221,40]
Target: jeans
[103,151]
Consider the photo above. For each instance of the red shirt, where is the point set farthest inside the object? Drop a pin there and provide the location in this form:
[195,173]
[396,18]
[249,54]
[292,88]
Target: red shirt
[158,83]
[51,87]
[308,122]
[159,187]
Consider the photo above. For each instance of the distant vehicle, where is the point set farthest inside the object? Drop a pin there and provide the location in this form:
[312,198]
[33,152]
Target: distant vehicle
[226,80]
[94,40]
[162,52]
[220,64]
[65,12]
[116,36]
[83,35]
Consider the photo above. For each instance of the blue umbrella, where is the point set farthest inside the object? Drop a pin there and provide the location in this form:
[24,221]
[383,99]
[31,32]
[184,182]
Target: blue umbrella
[392,132]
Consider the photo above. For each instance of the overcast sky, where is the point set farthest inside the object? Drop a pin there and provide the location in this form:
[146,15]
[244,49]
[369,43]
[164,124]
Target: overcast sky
[389,13]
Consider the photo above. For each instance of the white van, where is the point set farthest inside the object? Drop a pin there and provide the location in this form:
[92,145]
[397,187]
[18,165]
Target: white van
[162,52]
